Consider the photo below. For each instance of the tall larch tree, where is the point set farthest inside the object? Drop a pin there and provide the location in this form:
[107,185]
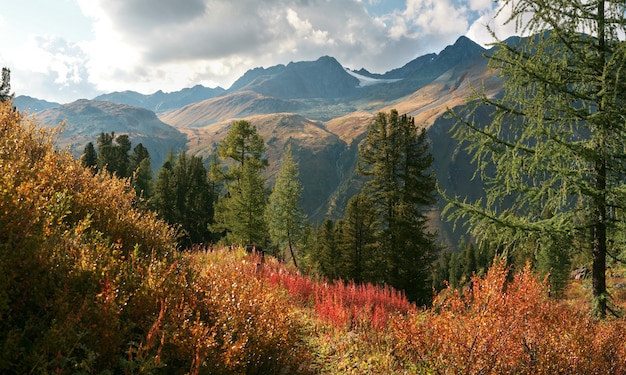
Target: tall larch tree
[239,213]
[395,157]
[553,156]
[243,144]
[284,215]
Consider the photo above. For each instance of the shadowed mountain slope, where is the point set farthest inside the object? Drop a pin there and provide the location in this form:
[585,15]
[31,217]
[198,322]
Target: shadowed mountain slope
[318,152]
[86,119]
[161,101]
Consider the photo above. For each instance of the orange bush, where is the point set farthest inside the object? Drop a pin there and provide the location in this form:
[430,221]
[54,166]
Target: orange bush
[82,267]
[509,327]
[233,321]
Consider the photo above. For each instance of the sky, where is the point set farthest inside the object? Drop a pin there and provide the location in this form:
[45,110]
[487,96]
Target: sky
[64,50]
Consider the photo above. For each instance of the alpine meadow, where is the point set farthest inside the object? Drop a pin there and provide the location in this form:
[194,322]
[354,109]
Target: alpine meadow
[461,214]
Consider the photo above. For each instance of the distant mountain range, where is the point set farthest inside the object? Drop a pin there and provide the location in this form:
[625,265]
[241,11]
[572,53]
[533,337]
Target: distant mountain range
[318,107]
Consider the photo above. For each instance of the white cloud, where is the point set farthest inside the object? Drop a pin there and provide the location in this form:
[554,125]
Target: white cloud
[481,5]
[305,31]
[496,21]
[147,45]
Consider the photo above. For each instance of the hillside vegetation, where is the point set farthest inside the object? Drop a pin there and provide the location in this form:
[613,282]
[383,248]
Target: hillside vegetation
[93,283]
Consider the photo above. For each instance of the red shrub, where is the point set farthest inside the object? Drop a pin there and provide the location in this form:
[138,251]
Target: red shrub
[343,304]
[514,327]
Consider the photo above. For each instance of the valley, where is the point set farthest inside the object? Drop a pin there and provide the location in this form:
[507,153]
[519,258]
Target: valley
[318,107]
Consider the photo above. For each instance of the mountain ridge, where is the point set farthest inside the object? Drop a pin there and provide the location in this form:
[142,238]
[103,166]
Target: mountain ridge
[319,107]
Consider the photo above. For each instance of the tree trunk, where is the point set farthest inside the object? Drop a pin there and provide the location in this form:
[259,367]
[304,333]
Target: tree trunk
[598,270]
[291,250]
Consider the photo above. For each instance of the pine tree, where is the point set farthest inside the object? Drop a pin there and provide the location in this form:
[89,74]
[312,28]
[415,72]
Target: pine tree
[107,152]
[395,157]
[140,168]
[89,158]
[552,157]
[182,197]
[123,148]
[283,214]
[164,199]
[239,214]
[142,179]
[139,154]
[243,144]
[359,260]
[326,256]
[113,154]
[198,202]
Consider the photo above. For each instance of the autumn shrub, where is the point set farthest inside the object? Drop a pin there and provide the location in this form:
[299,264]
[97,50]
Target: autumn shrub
[351,334]
[82,268]
[344,304]
[233,321]
[502,327]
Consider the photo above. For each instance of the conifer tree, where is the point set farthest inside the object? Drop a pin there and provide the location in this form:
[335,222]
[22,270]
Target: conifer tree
[243,144]
[89,158]
[182,197]
[142,179]
[140,168]
[395,157]
[113,153]
[326,256]
[139,154]
[553,155]
[239,214]
[164,200]
[284,215]
[198,201]
[123,148]
[359,259]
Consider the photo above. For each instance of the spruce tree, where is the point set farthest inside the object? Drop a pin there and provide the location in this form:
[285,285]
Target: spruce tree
[164,199]
[140,170]
[284,215]
[396,159]
[552,157]
[326,255]
[89,158]
[358,256]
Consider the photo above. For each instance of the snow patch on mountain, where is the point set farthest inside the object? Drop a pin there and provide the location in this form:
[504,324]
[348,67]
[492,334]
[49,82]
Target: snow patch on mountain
[369,81]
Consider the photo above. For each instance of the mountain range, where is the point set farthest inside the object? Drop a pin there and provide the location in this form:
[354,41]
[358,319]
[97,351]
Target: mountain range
[318,107]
